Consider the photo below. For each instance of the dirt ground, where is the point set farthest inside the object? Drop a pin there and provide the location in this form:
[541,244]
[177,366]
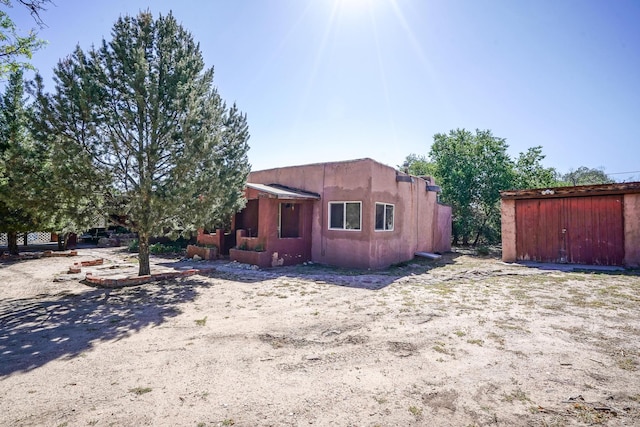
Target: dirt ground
[464,341]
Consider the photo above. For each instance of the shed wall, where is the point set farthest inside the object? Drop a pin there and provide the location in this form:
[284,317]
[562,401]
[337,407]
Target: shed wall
[508,212]
[632,230]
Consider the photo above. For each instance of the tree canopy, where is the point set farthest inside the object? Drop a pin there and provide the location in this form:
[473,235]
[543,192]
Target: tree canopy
[20,165]
[144,131]
[586,176]
[14,46]
[472,169]
[417,165]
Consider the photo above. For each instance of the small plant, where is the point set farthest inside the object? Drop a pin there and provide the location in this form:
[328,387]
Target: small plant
[415,411]
[140,390]
[242,246]
[380,400]
[228,422]
[259,248]
[627,364]
[460,333]
[201,322]
[517,394]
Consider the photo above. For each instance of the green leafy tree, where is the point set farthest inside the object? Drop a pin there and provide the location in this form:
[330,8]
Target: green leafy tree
[586,176]
[472,169]
[141,116]
[13,45]
[417,165]
[20,165]
[530,173]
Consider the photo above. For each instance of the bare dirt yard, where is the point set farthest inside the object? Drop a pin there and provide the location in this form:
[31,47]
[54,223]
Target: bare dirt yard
[463,341]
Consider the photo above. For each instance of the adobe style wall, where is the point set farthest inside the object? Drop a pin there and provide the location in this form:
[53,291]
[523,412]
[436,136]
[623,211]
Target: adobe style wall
[508,213]
[632,230]
[420,224]
[281,251]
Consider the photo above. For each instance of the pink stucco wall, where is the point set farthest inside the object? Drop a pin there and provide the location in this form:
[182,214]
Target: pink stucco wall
[420,223]
[632,230]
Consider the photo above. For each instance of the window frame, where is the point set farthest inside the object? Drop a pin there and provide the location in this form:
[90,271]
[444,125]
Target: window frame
[344,215]
[384,218]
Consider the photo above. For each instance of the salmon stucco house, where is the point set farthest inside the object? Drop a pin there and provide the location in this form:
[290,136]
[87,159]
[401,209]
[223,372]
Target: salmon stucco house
[359,214]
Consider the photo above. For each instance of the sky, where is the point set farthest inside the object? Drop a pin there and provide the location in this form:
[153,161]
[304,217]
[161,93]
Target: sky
[331,80]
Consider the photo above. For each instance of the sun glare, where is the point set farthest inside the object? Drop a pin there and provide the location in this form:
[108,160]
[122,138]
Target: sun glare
[356,6]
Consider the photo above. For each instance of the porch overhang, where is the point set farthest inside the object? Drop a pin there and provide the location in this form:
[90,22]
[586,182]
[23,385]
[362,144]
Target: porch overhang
[277,191]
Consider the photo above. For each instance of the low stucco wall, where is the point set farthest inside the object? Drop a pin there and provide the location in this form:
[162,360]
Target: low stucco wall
[632,230]
[508,212]
[442,229]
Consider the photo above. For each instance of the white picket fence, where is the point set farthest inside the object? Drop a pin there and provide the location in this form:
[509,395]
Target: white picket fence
[33,238]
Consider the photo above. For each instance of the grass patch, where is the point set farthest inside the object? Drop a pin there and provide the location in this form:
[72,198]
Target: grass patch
[380,400]
[517,394]
[201,322]
[627,364]
[439,347]
[139,391]
[415,411]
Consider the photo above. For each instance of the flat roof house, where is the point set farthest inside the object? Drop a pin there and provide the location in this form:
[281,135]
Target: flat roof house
[358,214]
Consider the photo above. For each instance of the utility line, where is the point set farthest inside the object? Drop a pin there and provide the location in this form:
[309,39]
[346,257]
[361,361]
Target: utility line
[621,173]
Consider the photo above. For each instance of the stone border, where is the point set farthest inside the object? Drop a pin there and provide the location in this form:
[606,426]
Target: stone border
[77,266]
[98,261]
[139,280]
[59,254]
[35,255]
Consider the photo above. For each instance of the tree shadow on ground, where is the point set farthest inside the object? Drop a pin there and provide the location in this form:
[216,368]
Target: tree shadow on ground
[40,329]
[353,278]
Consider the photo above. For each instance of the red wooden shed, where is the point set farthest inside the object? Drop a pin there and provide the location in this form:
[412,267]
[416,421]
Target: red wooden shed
[589,224]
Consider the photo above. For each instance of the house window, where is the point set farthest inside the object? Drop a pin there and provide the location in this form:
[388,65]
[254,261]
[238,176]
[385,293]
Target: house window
[384,217]
[345,215]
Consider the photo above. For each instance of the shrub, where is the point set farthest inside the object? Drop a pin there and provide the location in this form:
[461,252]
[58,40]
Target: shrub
[134,245]
[165,248]
[482,250]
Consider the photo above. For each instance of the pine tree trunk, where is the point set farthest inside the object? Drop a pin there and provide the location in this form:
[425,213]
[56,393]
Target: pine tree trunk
[143,255]
[12,242]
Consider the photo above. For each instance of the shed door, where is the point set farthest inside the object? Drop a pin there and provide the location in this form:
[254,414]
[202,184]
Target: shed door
[578,230]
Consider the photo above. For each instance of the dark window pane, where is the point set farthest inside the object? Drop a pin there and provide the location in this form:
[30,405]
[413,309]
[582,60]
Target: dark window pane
[353,216]
[379,217]
[389,217]
[336,215]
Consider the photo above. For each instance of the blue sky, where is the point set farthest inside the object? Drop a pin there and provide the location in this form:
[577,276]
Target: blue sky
[327,80]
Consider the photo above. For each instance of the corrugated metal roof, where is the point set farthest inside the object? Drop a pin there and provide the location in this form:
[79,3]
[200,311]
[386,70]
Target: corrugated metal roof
[282,192]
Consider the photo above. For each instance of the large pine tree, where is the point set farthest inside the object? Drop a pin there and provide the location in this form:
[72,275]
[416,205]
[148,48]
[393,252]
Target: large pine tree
[20,165]
[145,128]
